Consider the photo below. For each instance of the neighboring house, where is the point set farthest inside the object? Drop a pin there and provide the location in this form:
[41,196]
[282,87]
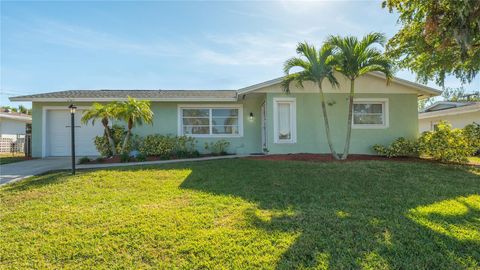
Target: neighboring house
[255,119]
[13,124]
[459,114]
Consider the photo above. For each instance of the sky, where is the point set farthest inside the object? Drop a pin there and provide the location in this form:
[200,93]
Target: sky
[59,45]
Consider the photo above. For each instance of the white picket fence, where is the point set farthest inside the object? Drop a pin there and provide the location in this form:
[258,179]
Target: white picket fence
[12,145]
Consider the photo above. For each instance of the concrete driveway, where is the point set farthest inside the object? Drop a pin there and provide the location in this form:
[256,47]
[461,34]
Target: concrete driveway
[19,170]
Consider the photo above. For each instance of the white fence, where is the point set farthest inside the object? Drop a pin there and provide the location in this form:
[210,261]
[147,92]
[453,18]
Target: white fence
[12,144]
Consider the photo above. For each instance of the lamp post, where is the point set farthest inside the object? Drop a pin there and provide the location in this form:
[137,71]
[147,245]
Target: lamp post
[72,108]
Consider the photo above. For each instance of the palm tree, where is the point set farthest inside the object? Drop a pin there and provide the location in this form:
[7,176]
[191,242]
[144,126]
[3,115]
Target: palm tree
[133,112]
[104,113]
[316,66]
[355,58]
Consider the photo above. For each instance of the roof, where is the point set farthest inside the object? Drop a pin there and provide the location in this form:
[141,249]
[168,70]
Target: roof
[443,108]
[16,116]
[115,95]
[184,95]
[425,90]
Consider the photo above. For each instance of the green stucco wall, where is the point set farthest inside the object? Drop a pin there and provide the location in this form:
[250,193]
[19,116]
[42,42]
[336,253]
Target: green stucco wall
[311,136]
[165,122]
[403,121]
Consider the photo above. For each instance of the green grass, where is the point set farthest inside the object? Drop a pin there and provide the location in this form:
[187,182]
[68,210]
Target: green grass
[474,160]
[6,158]
[246,214]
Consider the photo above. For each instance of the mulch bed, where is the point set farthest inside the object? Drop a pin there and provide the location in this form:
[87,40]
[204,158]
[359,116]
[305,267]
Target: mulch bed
[328,157]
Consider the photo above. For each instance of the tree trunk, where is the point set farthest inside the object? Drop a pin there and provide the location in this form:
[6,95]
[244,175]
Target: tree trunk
[327,126]
[127,136]
[111,143]
[125,141]
[349,123]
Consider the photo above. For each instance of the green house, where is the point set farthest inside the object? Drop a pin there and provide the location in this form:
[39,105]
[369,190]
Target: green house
[255,119]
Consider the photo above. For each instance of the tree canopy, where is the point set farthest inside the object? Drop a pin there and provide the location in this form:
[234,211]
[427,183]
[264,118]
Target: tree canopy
[437,38]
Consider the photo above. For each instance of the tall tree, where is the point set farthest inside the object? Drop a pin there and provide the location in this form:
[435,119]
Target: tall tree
[355,58]
[104,113]
[437,38]
[316,66]
[133,112]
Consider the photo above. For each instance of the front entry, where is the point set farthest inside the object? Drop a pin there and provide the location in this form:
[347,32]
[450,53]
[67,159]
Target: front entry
[264,127]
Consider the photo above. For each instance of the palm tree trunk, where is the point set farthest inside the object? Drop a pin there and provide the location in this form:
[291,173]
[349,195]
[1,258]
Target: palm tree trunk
[327,125]
[110,140]
[349,123]
[125,141]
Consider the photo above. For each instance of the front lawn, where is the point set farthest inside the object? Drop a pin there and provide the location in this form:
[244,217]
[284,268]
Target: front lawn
[246,214]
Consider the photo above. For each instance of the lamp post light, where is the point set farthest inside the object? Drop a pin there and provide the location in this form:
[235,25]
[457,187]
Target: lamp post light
[72,108]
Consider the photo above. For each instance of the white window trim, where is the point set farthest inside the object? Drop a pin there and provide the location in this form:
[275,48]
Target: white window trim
[180,107]
[386,114]
[293,119]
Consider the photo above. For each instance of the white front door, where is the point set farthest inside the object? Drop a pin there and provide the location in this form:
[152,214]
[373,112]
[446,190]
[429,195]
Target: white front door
[58,137]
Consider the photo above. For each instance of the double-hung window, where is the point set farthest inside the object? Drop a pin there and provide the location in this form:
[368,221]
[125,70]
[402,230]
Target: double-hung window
[210,121]
[284,120]
[370,113]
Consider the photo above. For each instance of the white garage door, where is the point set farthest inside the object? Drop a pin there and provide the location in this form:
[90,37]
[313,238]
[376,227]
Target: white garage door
[58,139]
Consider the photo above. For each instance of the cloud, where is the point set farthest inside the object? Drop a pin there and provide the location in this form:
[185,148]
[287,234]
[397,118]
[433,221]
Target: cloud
[64,34]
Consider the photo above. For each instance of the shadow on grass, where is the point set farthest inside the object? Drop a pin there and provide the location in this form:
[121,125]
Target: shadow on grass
[359,214]
[48,178]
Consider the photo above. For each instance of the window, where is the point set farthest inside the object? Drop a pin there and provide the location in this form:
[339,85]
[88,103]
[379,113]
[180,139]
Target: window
[370,113]
[284,120]
[210,121]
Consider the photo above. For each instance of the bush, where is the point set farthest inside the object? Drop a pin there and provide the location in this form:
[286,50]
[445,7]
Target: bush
[401,147]
[118,135]
[217,148]
[83,160]
[446,144]
[141,157]
[124,157]
[158,145]
[472,135]
[185,147]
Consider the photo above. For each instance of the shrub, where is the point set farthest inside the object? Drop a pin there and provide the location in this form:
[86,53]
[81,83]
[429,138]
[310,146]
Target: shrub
[158,145]
[185,147]
[217,148]
[83,160]
[472,135]
[445,144]
[124,157]
[401,147]
[141,157]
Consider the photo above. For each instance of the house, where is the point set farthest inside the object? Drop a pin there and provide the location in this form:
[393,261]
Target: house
[255,119]
[458,114]
[13,124]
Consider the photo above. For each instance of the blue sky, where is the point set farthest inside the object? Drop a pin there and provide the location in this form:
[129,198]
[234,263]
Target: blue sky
[53,46]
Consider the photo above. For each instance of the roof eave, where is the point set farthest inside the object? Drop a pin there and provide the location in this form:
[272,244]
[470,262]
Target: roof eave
[208,99]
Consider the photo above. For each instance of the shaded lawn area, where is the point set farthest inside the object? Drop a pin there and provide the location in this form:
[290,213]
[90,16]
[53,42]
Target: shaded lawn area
[246,214]
[6,158]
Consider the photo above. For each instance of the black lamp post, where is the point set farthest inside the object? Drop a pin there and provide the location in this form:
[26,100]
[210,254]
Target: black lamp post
[72,108]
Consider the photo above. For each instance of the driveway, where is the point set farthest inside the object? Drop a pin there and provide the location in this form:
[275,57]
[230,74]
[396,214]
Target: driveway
[19,170]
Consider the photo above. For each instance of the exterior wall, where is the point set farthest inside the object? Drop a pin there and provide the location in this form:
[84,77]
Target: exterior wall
[166,122]
[311,138]
[457,120]
[11,127]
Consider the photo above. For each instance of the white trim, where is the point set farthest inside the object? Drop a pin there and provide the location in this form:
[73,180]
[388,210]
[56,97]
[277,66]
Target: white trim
[452,111]
[293,119]
[385,110]
[417,86]
[180,107]
[44,123]
[193,99]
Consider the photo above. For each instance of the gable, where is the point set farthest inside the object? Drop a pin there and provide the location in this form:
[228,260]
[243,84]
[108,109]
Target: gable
[370,83]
